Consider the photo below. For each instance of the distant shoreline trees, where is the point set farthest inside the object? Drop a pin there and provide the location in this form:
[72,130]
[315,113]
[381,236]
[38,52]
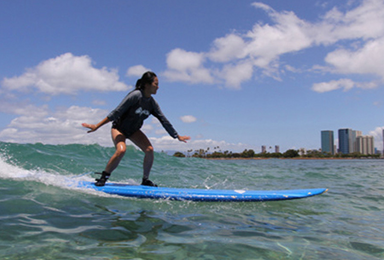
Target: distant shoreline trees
[249,154]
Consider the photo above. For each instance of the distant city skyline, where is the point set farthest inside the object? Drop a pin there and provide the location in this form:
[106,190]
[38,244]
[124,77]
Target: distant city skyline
[349,141]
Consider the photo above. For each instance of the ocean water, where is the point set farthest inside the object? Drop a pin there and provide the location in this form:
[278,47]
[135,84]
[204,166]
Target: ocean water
[44,216]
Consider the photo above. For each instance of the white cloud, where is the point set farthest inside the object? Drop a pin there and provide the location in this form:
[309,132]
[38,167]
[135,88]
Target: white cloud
[289,34]
[259,47]
[38,124]
[179,59]
[161,131]
[233,58]
[188,119]
[378,137]
[265,7]
[65,74]
[235,75]
[227,48]
[99,102]
[137,71]
[187,67]
[345,84]
[147,128]
[292,69]
[155,121]
[365,21]
[367,60]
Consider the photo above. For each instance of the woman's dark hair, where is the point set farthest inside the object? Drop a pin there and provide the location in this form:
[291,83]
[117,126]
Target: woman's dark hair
[147,78]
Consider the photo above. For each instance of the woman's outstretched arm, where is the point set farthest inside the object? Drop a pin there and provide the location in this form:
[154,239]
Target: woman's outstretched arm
[93,128]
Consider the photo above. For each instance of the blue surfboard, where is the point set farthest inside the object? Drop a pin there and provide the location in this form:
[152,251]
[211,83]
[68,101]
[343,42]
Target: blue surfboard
[139,191]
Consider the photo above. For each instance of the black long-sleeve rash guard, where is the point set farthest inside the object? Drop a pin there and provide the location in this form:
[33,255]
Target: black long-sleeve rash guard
[129,115]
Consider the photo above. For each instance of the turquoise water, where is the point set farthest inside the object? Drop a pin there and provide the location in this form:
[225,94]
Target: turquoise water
[43,215]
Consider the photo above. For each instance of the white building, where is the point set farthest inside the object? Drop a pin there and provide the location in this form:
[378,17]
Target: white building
[353,140]
[365,144]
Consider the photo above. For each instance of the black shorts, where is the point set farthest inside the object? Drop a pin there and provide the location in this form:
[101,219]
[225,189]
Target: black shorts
[126,133]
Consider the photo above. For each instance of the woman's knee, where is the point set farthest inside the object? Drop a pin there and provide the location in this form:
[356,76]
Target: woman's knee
[149,149]
[121,148]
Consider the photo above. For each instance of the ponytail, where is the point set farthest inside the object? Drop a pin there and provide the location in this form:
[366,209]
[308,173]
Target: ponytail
[138,84]
[147,78]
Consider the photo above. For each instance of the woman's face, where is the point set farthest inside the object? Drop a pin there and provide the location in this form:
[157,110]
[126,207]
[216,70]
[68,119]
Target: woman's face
[151,89]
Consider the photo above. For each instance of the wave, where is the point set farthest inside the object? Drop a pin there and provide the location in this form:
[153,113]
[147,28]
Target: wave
[54,165]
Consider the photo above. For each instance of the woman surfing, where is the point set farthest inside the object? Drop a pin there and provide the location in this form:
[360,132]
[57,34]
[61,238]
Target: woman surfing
[127,119]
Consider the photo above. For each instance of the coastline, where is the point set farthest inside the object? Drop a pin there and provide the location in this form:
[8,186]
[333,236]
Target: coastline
[294,158]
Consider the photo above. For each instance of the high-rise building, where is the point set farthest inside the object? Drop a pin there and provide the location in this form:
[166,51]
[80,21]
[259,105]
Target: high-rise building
[371,145]
[277,149]
[327,142]
[344,136]
[263,149]
[347,140]
[365,145]
[352,140]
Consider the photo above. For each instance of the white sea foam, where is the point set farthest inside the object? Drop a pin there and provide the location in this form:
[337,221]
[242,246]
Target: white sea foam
[13,172]
[9,171]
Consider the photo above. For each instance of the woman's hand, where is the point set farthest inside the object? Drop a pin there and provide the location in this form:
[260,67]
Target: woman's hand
[183,138]
[95,127]
[92,128]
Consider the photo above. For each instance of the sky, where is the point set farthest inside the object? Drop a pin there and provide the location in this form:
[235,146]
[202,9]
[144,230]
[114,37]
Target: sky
[233,74]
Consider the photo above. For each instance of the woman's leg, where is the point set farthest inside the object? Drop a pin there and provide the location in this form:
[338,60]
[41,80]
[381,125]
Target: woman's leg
[119,141]
[141,140]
